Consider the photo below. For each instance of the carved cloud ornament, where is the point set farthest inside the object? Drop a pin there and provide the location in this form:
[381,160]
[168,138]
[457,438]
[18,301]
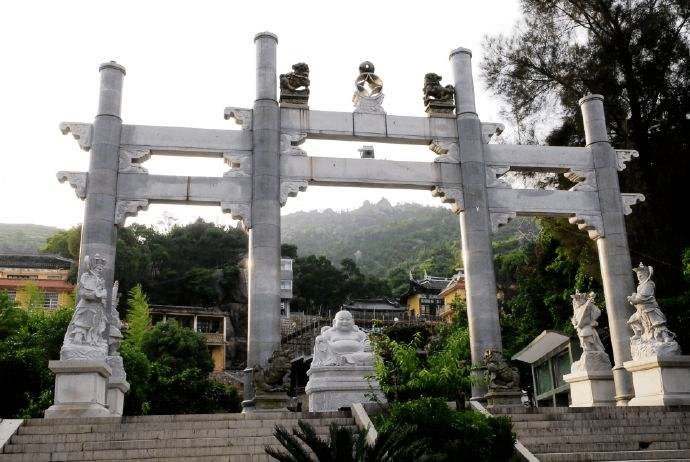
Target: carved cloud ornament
[593,224]
[290,188]
[243,117]
[239,211]
[289,143]
[630,199]
[77,180]
[80,131]
[124,209]
[447,151]
[131,158]
[451,196]
[623,156]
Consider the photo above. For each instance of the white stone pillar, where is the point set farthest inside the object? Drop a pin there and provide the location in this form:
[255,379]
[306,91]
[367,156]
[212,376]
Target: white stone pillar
[99,233]
[263,336]
[614,256]
[475,223]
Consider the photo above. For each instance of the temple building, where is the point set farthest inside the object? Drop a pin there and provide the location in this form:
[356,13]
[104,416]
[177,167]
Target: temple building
[454,290]
[423,297]
[48,273]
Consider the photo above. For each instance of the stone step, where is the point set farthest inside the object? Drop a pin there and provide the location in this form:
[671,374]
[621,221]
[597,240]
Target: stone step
[631,423]
[609,456]
[159,434]
[602,447]
[604,435]
[550,438]
[224,437]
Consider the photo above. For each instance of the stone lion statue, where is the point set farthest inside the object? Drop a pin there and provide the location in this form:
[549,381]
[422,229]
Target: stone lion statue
[501,375]
[434,91]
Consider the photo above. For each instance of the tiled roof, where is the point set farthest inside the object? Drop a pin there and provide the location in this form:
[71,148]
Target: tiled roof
[43,284]
[35,261]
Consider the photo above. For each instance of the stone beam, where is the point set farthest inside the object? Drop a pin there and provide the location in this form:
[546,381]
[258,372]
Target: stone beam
[372,173]
[349,126]
[538,202]
[186,141]
[182,189]
[547,158]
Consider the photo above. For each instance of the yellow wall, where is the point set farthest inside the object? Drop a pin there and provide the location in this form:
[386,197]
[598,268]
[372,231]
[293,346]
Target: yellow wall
[413,305]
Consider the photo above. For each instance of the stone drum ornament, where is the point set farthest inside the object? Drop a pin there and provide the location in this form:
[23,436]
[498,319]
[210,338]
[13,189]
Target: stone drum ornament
[368,96]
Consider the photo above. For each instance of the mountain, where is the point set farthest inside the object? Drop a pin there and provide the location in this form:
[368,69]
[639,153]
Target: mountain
[382,238]
[24,238]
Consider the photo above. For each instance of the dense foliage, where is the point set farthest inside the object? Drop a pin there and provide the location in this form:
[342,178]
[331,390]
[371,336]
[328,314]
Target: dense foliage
[318,286]
[419,378]
[168,367]
[29,338]
[636,54]
[380,238]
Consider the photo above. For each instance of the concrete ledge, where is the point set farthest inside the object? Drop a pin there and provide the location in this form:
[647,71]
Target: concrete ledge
[364,422]
[8,427]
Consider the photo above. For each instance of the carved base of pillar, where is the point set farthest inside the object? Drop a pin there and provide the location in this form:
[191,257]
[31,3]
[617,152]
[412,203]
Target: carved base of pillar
[115,395]
[331,387]
[80,389]
[591,388]
[660,381]
[440,109]
[503,398]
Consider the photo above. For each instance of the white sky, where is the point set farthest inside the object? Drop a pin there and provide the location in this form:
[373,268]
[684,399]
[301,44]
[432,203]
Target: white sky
[187,61]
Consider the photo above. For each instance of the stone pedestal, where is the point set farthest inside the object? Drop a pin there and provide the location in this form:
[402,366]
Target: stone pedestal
[331,387]
[115,395]
[503,398]
[80,389]
[591,388]
[661,381]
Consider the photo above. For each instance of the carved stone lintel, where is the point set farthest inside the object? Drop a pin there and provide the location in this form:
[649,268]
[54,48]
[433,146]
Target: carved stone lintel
[242,117]
[239,211]
[490,129]
[623,156]
[289,143]
[80,131]
[131,158]
[630,199]
[593,224]
[451,196]
[499,219]
[447,151]
[124,209]
[493,172]
[239,162]
[369,104]
[290,188]
[585,179]
[77,180]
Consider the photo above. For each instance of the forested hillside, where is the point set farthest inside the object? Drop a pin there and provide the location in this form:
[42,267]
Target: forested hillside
[385,239]
[24,238]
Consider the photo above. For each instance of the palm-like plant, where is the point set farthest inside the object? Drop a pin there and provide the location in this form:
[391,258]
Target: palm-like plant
[304,445]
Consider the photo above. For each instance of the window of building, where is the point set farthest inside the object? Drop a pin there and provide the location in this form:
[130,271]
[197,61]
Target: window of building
[12,293]
[285,285]
[286,264]
[50,300]
[20,276]
[208,325]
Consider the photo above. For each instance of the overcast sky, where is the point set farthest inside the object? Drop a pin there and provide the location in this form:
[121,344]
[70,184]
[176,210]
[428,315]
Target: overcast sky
[187,61]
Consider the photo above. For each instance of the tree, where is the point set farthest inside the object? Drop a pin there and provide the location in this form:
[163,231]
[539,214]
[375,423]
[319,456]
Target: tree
[636,54]
[29,338]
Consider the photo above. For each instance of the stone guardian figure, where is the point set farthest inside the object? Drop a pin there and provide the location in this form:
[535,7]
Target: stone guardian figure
[585,315]
[650,337]
[85,337]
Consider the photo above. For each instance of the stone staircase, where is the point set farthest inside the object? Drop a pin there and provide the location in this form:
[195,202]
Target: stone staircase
[603,433]
[170,438]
